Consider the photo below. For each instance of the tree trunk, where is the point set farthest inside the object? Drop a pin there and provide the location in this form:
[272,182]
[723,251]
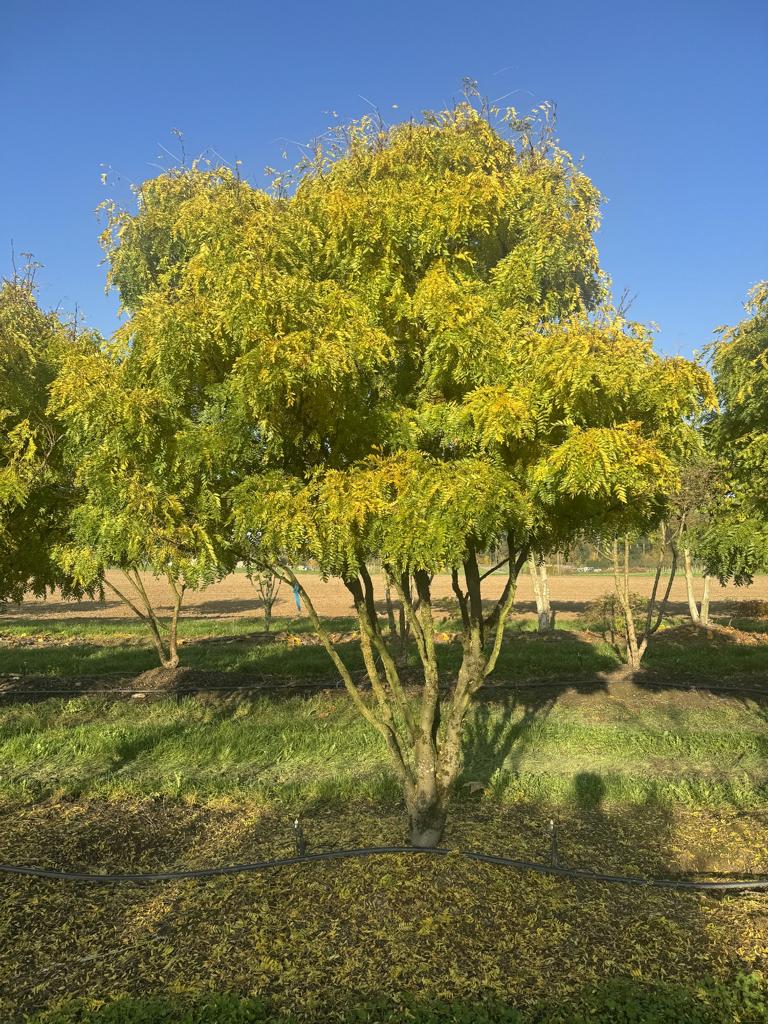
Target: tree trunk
[704,616]
[699,612]
[540,581]
[267,615]
[391,624]
[405,585]
[426,818]
[426,800]
[634,650]
[425,745]
[171,661]
[692,604]
[173,626]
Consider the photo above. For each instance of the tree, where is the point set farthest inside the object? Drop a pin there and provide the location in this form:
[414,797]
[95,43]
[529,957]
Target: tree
[636,639]
[699,509]
[736,545]
[160,427]
[35,492]
[150,486]
[509,413]
[267,587]
[406,356]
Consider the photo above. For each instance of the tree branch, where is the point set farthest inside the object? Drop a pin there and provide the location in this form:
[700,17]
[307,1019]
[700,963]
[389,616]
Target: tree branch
[368,714]
[461,597]
[514,572]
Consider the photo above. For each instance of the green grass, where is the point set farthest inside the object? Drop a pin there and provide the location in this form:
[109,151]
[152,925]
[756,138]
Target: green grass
[295,751]
[95,648]
[702,662]
[72,648]
[189,627]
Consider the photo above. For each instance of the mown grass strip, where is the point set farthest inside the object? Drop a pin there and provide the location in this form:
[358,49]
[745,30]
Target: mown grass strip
[294,750]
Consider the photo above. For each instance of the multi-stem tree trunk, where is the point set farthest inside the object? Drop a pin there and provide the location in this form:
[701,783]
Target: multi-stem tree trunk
[699,613]
[267,586]
[637,642]
[165,635]
[423,734]
[540,579]
[635,649]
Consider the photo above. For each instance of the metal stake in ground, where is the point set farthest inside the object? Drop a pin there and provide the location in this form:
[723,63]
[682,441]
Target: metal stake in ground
[554,857]
[299,839]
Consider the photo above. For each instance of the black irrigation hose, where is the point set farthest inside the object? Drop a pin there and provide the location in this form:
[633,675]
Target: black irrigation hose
[682,885]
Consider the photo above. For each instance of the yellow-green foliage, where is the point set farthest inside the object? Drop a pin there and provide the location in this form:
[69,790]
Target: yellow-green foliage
[406,353]
[428,288]
[738,546]
[34,491]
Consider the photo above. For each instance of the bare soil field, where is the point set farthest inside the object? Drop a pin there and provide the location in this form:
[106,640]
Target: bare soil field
[235,597]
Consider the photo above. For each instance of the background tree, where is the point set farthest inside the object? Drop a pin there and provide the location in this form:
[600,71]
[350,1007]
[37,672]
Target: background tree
[35,493]
[698,510]
[736,546]
[537,566]
[149,486]
[636,635]
[267,587]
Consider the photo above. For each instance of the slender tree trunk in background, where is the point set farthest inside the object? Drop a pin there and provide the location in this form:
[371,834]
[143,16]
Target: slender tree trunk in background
[692,604]
[699,613]
[173,628]
[267,586]
[637,644]
[165,646]
[704,616]
[391,624]
[634,649]
[540,580]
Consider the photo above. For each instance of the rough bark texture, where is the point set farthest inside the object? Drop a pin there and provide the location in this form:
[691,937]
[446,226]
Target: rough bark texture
[427,813]
[391,624]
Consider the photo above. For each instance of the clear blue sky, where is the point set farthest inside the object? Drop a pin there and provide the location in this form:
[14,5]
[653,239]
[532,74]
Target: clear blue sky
[666,102]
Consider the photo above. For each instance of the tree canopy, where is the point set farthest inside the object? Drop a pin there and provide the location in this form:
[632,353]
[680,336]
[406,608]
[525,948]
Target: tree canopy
[737,544]
[35,492]
[403,350]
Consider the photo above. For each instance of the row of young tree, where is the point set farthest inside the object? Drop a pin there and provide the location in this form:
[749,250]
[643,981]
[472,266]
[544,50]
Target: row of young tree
[404,351]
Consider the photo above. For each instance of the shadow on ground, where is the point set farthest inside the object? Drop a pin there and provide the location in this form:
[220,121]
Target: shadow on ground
[320,940]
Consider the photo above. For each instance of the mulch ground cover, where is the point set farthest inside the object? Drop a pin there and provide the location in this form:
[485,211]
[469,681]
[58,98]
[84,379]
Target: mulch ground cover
[312,938]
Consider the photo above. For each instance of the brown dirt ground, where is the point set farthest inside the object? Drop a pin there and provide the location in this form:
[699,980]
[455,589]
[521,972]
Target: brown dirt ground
[234,597]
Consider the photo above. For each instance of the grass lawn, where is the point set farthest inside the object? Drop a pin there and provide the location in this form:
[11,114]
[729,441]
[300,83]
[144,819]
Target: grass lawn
[644,781]
[76,648]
